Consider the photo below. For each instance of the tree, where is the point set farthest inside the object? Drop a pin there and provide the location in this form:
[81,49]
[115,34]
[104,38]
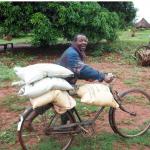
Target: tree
[50,20]
[125,11]
[15,17]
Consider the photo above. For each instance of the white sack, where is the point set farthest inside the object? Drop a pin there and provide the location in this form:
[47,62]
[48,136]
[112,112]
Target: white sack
[29,75]
[36,72]
[43,86]
[97,94]
[61,100]
[18,83]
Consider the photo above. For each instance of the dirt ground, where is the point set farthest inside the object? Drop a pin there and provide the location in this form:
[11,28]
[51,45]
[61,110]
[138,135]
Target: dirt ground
[139,76]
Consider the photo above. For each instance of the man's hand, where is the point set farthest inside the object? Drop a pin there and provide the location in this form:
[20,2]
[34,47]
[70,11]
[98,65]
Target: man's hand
[109,77]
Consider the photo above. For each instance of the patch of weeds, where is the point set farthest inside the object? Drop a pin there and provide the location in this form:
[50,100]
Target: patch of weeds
[8,136]
[111,58]
[12,102]
[16,107]
[100,48]
[136,69]
[131,81]
[103,141]
[18,59]
[6,74]
[93,59]
[107,141]
[141,140]
[127,57]
[126,50]
[4,84]
[47,143]
[83,109]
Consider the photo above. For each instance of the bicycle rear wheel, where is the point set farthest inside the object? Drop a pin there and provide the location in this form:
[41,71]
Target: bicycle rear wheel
[136,121]
[41,124]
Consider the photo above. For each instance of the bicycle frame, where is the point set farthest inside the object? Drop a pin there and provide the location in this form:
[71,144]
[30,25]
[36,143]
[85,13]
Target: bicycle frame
[89,122]
[81,124]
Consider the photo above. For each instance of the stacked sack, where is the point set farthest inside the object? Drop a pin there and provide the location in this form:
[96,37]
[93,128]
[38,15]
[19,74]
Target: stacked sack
[97,94]
[44,83]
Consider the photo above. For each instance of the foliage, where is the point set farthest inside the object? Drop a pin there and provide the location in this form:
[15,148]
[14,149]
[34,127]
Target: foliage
[15,17]
[100,48]
[79,17]
[50,20]
[43,30]
[125,11]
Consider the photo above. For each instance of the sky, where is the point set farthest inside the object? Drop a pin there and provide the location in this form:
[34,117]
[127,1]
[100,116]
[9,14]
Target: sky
[143,7]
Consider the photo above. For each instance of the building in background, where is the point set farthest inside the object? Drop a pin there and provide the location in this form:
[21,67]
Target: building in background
[142,24]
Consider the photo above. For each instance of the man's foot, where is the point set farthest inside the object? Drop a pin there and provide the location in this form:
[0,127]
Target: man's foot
[28,125]
[109,77]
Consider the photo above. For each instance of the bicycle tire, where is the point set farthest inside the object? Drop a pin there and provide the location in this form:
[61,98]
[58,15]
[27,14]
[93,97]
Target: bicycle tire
[125,124]
[40,124]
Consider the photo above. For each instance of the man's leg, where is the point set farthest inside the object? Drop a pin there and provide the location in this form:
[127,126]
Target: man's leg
[34,114]
[29,119]
[64,117]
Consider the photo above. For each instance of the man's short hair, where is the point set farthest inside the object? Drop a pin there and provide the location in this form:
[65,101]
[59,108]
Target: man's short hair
[76,36]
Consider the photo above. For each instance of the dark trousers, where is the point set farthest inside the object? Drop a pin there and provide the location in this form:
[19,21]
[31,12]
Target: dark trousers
[64,117]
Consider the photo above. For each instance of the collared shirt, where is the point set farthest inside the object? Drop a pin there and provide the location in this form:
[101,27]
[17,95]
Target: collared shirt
[72,60]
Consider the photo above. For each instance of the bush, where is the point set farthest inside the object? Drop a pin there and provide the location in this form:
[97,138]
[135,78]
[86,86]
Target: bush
[44,33]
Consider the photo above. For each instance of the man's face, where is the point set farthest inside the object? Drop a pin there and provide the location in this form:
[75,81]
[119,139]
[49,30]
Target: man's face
[81,42]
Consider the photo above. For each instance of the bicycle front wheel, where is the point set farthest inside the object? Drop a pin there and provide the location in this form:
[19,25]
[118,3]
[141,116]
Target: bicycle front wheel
[134,120]
[42,126]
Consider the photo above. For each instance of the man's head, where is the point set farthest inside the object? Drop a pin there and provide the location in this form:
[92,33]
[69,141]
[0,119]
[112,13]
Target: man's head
[80,41]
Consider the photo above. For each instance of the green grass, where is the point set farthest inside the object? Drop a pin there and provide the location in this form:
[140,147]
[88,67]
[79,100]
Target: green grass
[20,40]
[6,74]
[131,81]
[142,36]
[18,59]
[8,136]
[13,102]
[126,47]
[46,144]
[85,109]
[102,141]
[7,62]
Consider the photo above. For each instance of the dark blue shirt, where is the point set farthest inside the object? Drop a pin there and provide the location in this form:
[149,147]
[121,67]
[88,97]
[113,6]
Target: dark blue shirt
[72,60]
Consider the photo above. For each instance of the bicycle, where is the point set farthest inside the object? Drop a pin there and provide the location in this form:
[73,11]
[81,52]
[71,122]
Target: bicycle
[126,121]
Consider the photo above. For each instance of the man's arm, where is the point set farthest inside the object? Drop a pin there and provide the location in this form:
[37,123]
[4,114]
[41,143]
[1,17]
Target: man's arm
[89,73]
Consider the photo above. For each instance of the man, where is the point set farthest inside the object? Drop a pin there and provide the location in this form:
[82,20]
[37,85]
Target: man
[73,59]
